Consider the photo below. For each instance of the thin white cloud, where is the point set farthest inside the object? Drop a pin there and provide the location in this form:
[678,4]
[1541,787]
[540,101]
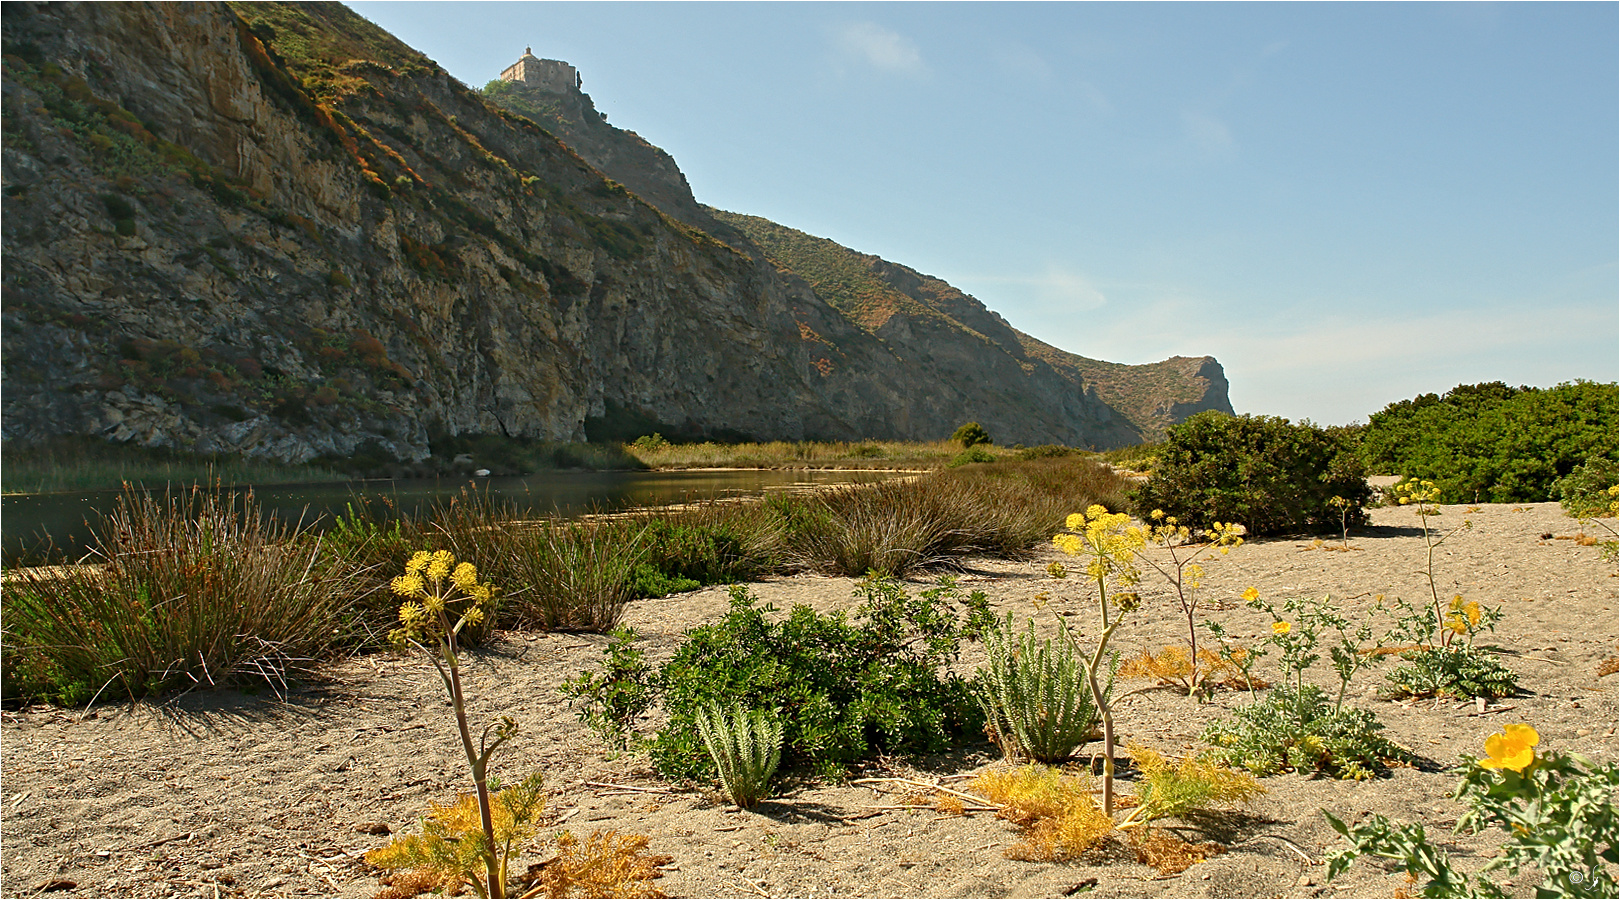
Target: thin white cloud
[1022,60]
[1208,134]
[1058,291]
[880,48]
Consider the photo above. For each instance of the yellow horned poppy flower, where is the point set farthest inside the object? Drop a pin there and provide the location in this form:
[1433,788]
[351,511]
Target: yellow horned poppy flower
[1513,749]
[1252,594]
[1281,627]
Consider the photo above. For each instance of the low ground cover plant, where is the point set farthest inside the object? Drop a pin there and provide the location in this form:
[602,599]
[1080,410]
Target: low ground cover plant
[1557,811]
[1297,726]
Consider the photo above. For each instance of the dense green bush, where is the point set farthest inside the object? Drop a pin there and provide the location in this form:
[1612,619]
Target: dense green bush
[973,454]
[970,434]
[1268,474]
[1584,492]
[844,690]
[1494,443]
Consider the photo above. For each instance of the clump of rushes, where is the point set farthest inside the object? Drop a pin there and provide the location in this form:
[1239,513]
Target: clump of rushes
[191,590]
[746,746]
[441,598]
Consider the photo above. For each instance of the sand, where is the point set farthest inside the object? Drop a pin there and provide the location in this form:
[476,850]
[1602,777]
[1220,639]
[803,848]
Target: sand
[225,793]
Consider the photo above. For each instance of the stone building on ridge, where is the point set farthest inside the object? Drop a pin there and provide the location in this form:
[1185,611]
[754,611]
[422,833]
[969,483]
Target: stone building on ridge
[547,74]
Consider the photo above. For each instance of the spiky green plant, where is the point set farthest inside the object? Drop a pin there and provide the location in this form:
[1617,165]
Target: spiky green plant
[1034,694]
[746,746]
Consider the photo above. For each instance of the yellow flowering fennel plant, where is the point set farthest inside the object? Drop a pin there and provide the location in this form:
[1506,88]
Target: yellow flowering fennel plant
[1110,543]
[441,598]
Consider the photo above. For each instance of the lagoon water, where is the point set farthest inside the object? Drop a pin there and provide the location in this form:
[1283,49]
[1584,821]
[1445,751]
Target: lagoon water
[30,522]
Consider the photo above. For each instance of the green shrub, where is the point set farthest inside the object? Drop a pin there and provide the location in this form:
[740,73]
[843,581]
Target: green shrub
[746,747]
[1493,443]
[1269,474]
[1034,694]
[1584,492]
[974,454]
[192,590]
[611,700]
[685,553]
[970,434]
[1454,671]
[845,690]
[1300,729]
[1045,451]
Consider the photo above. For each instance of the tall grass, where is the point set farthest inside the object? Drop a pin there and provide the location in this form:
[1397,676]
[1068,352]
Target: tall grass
[191,590]
[801,454]
[894,527]
[196,588]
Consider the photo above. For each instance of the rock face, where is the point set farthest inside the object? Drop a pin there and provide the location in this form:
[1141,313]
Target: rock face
[273,229]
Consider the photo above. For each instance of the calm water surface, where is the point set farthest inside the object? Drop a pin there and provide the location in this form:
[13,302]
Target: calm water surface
[30,521]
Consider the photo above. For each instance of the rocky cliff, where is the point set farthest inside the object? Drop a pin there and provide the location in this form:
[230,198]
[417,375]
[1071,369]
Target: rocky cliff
[274,229]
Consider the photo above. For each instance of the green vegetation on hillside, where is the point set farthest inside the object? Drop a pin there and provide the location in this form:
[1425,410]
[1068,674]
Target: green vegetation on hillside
[1494,443]
[841,276]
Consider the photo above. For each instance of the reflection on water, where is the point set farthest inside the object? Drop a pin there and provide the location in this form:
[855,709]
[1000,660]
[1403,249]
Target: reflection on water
[28,520]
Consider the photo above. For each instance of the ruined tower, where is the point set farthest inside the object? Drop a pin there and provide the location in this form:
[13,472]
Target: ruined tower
[547,74]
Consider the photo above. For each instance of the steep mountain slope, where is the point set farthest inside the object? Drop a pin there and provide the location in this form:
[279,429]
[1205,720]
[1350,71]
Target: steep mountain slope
[907,309]
[274,229]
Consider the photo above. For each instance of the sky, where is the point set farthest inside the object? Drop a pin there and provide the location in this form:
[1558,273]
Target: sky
[1347,205]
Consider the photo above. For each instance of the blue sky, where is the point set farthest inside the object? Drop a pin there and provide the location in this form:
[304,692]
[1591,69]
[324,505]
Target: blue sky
[1346,204]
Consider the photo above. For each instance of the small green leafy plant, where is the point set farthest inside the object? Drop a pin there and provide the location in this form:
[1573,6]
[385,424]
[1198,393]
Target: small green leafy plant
[746,746]
[1558,812]
[1036,702]
[1296,726]
[611,700]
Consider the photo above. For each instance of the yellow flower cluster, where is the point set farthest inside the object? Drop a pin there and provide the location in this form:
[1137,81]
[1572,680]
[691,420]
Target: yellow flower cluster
[1463,616]
[1420,492]
[430,585]
[1109,539]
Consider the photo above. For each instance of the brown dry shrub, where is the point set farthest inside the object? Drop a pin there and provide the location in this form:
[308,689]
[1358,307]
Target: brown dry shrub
[1608,666]
[608,864]
[412,883]
[1170,854]
[1172,665]
[1058,817]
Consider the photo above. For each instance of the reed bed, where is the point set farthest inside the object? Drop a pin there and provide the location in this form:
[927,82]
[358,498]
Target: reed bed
[802,454]
[199,588]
